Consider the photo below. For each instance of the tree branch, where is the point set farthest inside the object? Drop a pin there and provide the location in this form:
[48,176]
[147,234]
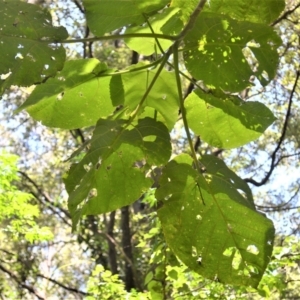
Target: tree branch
[44,194]
[23,285]
[70,289]
[285,15]
[280,141]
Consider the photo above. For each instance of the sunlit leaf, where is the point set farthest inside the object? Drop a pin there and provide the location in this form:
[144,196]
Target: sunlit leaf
[210,225]
[28,54]
[75,98]
[167,22]
[226,122]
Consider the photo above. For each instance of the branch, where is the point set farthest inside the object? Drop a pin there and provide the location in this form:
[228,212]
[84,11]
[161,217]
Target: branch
[44,194]
[78,5]
[19,282]
[285,15]
[281,139]
[74,290]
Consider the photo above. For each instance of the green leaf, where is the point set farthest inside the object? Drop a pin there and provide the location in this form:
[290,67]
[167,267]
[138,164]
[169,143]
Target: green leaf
[226,122]
[75,98]
[163,96]
[255,11]
[27,55]
[186,7]
[210,225]
[167,22]
[107,15]
[85,91]
[113,172]
[225,53]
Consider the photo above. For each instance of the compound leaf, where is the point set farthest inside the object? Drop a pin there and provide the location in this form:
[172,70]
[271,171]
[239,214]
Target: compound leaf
[27,55]
[210,225]
[226,122]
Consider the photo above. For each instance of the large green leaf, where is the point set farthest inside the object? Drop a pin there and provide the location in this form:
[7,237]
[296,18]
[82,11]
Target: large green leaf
[210,225]
[26,53]
[167,22]
[218,48]
[163,96]
[255,11]
[226,122]
[85,91]
[106,15]
[75,98]
[113,172]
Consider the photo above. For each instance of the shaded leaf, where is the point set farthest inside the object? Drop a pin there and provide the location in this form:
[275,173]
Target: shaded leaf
[226,122]
[107,15]
[225,53]
[167,22]
[113,172]
[215,232]
[26,34]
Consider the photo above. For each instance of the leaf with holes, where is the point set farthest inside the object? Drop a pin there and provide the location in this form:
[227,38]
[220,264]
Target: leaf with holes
[113,173]
[107,15]
[75,98]
[225,53]
[226,121]
[210,225]
[255,11]
[27,51]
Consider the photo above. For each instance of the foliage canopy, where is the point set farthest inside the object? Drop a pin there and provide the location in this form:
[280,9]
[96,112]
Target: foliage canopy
[206,211]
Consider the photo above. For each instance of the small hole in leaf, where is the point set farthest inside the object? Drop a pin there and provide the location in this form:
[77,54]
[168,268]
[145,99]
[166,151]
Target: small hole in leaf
[229,251]
[252,249]
[194,251]
[236,261]
[198,217]
[60,96]
[93,193]
[19,55]
[168,197]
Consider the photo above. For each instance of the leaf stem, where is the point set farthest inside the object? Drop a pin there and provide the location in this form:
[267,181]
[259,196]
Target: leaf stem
[119,36]
[140,105]
[181,105]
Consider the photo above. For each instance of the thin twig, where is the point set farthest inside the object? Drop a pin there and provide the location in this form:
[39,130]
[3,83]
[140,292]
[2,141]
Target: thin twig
[280,141]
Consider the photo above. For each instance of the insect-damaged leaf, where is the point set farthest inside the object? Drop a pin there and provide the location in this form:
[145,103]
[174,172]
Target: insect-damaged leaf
[27,55]
[113,172]
[210,222]
[225,53]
